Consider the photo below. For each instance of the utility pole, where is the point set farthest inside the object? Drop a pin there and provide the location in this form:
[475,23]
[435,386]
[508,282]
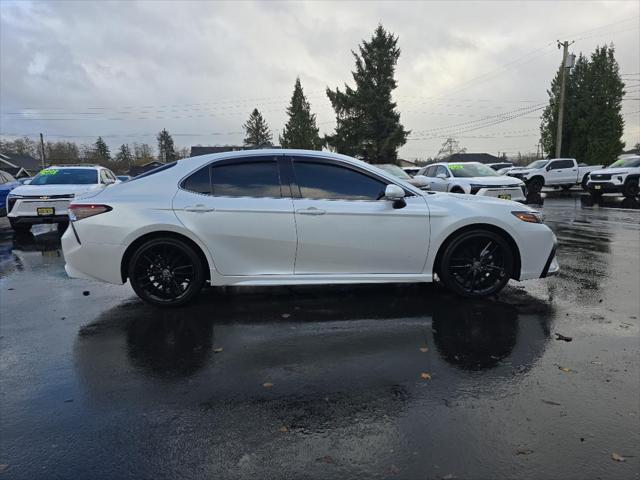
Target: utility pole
[563,83]
[42,150]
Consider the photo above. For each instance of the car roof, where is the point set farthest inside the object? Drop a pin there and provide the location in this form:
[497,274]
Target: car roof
[83,167]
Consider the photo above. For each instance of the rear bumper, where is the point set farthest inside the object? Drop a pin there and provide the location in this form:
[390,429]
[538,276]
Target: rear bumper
[98,261]
[32,220]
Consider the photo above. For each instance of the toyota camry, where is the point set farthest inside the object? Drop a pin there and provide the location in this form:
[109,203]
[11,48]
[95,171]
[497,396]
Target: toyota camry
[292,217]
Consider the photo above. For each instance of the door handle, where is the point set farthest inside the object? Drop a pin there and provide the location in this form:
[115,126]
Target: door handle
[311,211]
[198,209]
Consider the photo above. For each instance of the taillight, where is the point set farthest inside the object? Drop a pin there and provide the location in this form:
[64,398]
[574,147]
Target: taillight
[80,211]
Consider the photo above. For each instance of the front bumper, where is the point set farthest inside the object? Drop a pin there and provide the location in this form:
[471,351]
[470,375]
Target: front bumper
[517,194]
[552,266]
[604,187]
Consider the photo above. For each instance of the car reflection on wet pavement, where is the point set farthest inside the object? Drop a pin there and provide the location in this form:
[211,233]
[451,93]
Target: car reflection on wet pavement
[378,381]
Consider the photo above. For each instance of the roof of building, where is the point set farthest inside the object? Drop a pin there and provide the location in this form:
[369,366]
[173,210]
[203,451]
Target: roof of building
[25,161]
[473,157]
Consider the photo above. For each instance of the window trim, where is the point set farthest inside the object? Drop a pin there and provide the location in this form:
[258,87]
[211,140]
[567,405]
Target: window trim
[295,187]
[237,161]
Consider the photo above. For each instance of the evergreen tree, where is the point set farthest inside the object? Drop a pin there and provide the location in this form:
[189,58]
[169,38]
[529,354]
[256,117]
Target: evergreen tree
[301,130]
[102,151]
[124,155]
[258,134]
[593,125]
[368,125]
[166,150]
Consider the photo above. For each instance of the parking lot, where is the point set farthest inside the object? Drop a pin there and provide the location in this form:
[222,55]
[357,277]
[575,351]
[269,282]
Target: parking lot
[388,381]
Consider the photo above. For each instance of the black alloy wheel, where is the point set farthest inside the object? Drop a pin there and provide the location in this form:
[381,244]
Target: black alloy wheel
[166,272]
[477,263]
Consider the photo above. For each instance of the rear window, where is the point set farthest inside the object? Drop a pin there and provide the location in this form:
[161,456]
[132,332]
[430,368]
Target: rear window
[66,176]
[154,171]
[246,179]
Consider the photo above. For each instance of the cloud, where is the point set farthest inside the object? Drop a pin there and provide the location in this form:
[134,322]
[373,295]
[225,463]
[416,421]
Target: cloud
[125,70]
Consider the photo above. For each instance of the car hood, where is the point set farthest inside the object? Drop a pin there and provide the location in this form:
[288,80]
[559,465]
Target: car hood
[508,205]
[491,181]
[612,171]
[48,190]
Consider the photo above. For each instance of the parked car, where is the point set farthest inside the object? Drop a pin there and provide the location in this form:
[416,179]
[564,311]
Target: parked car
[7,183]
[291,217]
[556,172]
[499,166]
[419,181]
[473,178]
[620,177]
[124,178]
[46,198]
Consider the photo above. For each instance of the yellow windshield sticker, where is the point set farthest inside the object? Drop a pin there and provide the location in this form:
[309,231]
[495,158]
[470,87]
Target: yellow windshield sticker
[49,171]
[455,167]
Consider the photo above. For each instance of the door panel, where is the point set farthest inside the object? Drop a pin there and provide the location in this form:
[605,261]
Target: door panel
[355,236]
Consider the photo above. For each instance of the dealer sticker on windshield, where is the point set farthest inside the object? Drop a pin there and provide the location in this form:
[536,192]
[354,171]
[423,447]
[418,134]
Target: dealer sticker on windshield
[455,167]
[48,171]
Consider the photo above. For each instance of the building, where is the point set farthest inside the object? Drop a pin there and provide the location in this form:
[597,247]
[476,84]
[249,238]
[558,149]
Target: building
[19,166]
[473,157]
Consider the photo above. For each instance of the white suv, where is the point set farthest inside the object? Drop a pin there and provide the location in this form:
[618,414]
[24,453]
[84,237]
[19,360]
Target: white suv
[47,196]
[473,178]
[620,177]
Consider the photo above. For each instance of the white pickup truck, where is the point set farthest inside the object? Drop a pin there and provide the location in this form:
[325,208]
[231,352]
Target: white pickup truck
[555,172]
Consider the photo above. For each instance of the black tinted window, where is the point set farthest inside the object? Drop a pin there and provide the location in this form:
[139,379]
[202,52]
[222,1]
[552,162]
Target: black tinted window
[323,181]
[199,182]
[561,164]
[250,179]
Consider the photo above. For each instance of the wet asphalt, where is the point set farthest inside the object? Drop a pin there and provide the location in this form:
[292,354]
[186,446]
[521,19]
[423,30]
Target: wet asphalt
[390,381]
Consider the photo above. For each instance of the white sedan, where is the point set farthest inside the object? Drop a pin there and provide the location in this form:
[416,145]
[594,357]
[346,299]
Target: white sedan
[473,178]
[291,217]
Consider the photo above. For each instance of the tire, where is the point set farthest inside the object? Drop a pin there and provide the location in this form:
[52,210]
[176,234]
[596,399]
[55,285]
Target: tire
[20,227]
[476,263]
[585,179]
[535,184]
[630,188]
[457,190]
[166,272]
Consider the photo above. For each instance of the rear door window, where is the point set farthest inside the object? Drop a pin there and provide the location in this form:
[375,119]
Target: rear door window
[246,179]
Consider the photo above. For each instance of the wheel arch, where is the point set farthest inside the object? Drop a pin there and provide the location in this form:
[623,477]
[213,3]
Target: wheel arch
[160,234]
[481,226]
[537,177]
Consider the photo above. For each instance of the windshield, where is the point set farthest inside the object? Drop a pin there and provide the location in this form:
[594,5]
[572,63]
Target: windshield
[394,170]
[66,176]
[538,164]
[626,162]
[471,170]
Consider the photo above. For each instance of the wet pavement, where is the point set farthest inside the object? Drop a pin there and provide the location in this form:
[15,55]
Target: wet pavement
[387,381]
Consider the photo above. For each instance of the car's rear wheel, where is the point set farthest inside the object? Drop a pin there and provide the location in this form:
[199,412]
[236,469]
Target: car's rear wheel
[19,227]
[166,272]
[476,263]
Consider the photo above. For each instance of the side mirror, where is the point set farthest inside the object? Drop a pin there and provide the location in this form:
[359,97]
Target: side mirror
[420,181]
[549,168]
[441,176]
[26,182]
[396,195]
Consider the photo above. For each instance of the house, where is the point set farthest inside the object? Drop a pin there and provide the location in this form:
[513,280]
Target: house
[473,157]
[19,166]
[136,170]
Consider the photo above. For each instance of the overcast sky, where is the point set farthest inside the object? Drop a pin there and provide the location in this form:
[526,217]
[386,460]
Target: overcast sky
[126,70]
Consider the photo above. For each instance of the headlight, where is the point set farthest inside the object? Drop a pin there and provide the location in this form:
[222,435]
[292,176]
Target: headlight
[529,216]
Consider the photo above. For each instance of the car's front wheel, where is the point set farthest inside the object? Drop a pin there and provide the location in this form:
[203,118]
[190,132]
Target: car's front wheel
[630,188]
[166,272]
[476,263]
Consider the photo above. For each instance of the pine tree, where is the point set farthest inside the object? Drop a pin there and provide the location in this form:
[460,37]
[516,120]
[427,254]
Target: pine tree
[368,125]
[102,151]
[593,125]
[301,130]
[166,150]
[124,155]
[258,134]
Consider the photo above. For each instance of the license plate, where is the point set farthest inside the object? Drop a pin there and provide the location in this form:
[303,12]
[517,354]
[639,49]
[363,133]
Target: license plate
[45,211]
[597,187]
[505,196]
